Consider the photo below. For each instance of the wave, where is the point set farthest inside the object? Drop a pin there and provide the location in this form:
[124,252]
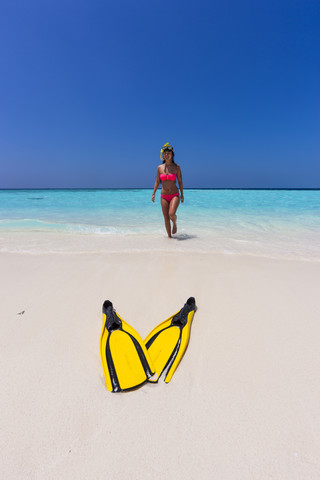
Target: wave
[36,225]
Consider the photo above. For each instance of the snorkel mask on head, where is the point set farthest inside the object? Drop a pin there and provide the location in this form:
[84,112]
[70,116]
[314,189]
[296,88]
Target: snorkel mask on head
[165,147]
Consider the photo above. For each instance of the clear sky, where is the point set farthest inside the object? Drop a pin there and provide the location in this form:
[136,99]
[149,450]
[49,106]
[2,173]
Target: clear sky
[90,90]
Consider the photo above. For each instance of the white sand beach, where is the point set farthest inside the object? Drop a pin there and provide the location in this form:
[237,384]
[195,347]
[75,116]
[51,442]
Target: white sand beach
[243,404]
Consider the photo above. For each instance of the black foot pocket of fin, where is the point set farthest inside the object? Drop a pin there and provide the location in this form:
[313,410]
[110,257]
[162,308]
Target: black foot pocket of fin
[181,318]
[112,322]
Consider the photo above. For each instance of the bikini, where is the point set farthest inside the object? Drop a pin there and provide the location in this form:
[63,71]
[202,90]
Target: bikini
[172,177]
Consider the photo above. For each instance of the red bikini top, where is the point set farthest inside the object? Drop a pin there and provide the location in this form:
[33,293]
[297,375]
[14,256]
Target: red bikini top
[170,176]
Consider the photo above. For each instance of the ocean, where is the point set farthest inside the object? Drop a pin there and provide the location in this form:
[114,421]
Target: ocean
[275,223]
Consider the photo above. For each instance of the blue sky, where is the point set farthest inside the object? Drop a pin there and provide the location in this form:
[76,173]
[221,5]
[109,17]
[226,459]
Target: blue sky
[89,91]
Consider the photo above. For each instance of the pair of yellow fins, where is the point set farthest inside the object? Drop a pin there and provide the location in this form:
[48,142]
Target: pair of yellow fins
[129,362]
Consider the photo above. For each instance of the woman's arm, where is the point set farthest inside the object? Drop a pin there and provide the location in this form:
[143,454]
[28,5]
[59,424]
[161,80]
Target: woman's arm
[156,185]
[179,177]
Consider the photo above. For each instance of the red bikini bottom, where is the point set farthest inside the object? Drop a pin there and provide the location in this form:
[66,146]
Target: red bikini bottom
[169,197]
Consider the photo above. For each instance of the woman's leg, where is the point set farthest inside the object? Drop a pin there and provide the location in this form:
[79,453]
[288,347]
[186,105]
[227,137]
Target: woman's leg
[173,207]
[165,211]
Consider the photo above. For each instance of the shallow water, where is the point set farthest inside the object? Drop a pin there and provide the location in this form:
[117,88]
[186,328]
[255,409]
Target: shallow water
[264,222]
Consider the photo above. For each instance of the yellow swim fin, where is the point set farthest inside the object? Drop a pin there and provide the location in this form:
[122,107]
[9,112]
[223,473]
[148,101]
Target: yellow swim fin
[125,359]
[168,341]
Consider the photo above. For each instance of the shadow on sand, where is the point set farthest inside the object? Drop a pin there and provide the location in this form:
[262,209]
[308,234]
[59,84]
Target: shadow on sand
[184,236]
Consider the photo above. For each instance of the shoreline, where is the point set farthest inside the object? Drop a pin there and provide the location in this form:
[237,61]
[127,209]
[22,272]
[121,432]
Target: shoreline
[61,243]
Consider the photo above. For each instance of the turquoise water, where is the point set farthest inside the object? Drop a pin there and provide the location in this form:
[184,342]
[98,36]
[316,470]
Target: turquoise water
[233,221]
[118,211]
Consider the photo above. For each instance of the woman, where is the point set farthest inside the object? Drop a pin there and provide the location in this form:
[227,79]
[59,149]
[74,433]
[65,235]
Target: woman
[167,173]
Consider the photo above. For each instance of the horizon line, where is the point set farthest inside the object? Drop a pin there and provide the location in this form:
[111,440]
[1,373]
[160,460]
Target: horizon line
[150,188]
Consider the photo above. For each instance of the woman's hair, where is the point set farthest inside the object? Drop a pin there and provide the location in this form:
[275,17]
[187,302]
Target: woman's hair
[169,150]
